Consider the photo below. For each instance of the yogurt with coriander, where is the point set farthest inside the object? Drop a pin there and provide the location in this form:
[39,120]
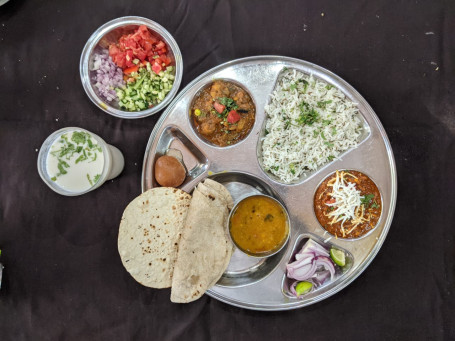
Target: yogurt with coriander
[75,161]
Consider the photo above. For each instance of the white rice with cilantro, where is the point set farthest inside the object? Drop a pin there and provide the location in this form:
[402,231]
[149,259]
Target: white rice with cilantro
[309,123]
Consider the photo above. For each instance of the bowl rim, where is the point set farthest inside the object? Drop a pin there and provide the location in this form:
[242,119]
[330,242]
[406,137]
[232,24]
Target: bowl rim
[93,41]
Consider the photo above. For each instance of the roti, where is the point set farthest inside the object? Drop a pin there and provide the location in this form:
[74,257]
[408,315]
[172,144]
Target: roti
[149,235]
[205,248]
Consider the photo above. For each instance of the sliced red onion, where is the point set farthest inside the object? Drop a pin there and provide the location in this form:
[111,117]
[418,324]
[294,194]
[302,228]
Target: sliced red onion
[327,264]
[302,270]
[312,264]
[320,277]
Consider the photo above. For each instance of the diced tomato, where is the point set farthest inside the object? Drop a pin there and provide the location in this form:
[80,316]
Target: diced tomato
[233,116]
[219,107]
[141,55]
[129,58]
[156,67]
[131,44]
[147,45]
[142,45]
[131,69]
[166,60]
[160,45]
[331,201]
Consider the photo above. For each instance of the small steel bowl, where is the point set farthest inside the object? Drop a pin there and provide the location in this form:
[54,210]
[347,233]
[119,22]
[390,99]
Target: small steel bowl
[279,247]
[110,33]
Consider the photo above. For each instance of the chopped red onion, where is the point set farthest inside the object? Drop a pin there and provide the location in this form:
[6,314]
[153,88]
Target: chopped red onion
[108,75]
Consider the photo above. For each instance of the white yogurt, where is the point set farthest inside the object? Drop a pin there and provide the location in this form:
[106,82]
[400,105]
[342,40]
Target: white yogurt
[75,161]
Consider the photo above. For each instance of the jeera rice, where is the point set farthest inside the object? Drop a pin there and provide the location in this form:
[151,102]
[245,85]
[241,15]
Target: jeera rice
[309,123]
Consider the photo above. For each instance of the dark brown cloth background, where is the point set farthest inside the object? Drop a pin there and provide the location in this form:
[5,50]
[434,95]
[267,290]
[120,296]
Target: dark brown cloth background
[63,278]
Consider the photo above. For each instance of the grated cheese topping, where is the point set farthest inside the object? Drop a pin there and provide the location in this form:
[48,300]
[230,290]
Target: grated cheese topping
[309,123]
[347,203]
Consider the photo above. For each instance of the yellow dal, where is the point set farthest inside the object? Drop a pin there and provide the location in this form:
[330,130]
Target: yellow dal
[259,225]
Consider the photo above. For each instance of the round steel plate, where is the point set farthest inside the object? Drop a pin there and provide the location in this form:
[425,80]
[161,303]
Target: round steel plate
[373,156]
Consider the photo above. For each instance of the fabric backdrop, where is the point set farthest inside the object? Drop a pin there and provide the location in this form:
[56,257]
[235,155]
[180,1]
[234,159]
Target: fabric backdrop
[63,278]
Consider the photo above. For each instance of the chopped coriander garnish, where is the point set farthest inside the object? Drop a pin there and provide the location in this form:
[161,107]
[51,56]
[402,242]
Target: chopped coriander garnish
[292,168]
[323,104]
[308,115]
[366,200]
[326,122]
[78,137]
[305,84]
[330,157]
[374,204]
[89,180]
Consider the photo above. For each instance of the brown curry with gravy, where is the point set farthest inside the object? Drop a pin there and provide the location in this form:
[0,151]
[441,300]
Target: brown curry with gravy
[223,113]
[366,215]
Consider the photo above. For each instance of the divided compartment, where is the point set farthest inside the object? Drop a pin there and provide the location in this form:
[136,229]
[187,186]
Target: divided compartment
[195,161]
[366,132]
[340,237]
[243,269]
[198,92]
[339,271]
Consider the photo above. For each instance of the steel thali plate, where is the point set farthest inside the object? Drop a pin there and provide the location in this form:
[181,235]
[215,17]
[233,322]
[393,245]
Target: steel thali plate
[260,284]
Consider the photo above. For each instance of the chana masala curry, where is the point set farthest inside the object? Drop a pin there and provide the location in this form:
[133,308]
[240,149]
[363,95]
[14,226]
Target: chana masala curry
[223,113]
[348,204]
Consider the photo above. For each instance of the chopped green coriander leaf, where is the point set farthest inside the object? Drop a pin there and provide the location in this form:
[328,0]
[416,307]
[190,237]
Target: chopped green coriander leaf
[293,86]
[334,130]
[323,104]
[329,144]
[330,157]
[229,103]
[292,168]
[89,180]
[78,137]
[96,178]
[54,178]
[323,136]
[326,122]
[305,84]
[275,168]
[61,169]
[374,204]
[308,115]
[366,200]
[328,86]
[81,157]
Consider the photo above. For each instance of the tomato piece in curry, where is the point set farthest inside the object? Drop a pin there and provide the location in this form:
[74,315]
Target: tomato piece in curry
[259,225]
[367,213]
[223,113]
